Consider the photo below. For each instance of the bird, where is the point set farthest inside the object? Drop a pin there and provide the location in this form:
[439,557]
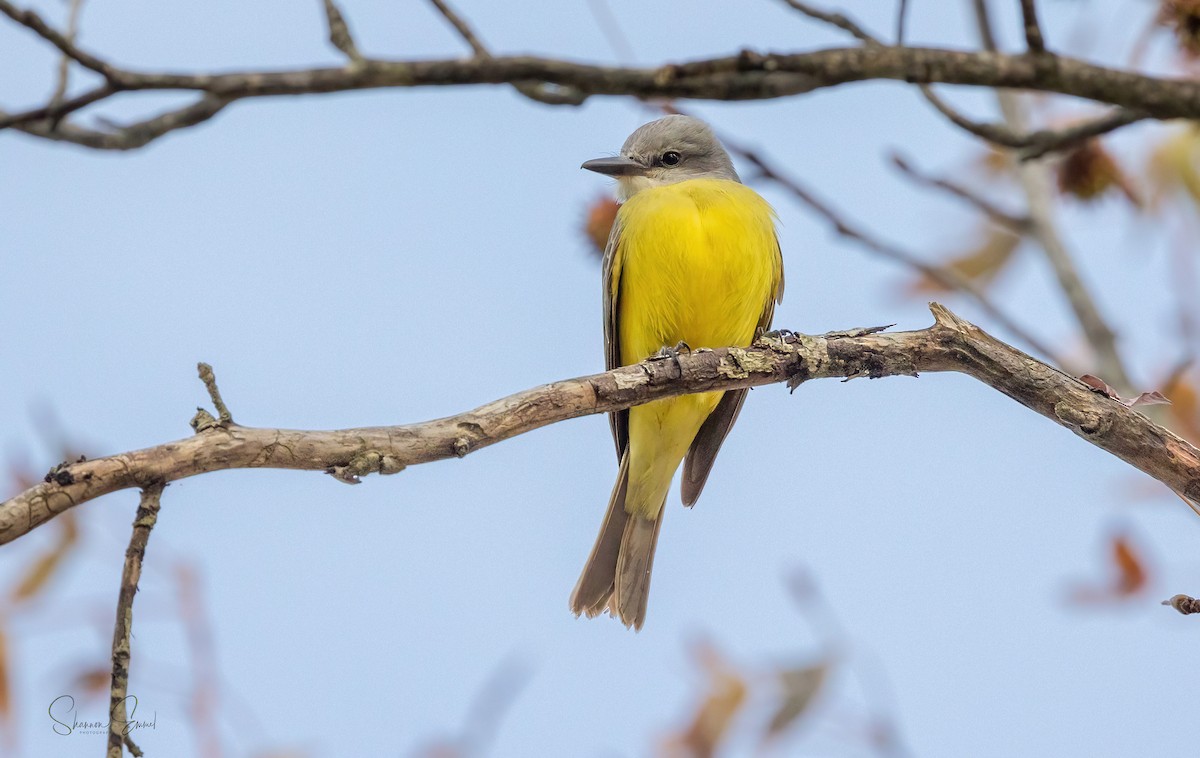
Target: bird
[692,261]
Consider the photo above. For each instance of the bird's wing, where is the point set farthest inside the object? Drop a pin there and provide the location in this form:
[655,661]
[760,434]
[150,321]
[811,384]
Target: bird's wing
[618,420]
[703,452]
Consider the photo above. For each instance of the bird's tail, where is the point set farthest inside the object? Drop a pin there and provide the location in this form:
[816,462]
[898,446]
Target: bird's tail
[617,574]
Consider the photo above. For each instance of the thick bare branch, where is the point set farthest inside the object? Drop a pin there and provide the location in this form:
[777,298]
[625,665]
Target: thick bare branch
[745,76]
[951,344]
[143,523]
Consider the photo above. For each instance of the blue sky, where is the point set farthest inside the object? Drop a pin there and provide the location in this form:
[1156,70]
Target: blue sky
[386,257]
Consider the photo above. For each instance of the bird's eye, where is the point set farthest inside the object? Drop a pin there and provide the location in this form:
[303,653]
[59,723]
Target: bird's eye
[671,158]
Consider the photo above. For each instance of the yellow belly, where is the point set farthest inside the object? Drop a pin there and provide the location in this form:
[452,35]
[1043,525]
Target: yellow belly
[697,262]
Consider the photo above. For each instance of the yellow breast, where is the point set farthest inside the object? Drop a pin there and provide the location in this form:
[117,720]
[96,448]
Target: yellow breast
[697,262]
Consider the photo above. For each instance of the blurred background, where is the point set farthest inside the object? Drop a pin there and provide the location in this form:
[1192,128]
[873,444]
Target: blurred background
[899,567]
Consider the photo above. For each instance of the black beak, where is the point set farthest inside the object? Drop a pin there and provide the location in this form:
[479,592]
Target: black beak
[618,166]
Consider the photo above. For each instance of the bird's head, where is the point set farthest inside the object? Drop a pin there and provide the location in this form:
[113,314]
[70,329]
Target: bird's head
[672,149]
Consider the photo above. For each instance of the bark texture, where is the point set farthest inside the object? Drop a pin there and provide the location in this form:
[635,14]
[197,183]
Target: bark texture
[951,344]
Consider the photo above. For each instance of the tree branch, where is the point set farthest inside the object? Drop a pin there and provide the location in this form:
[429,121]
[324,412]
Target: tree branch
[66,46]
[1035,144]
[118,725]
[745,76]
[1036,183]
[951,344]
[339,32]
[1033,31]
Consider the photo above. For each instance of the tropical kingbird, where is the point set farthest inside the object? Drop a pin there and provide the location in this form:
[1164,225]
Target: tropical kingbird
[692,259]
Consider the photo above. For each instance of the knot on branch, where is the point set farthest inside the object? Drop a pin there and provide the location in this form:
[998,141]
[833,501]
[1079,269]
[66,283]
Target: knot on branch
[1087,422]
[366,462]
[1185,604]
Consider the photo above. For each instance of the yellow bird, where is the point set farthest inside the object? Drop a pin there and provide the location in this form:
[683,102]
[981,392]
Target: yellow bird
[692,258]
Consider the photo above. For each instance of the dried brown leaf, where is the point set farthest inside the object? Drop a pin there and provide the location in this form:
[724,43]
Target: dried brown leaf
[1089,171]
[44,566]
[1098,385]
[800,688]
[726,694]
[1148,398]
[93,680]
[6,720]
[981,264]
[1185,404]
[1183,18]
[600,217]
[1130,575]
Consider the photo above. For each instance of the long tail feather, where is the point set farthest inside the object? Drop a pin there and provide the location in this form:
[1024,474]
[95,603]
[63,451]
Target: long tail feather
[616,576]
[596,583]
[634,564]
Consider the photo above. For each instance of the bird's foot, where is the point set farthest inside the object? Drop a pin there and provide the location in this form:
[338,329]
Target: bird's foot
[672,353]
[779,335]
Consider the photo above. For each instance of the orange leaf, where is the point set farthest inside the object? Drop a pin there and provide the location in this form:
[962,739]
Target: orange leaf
[600,217]
[1130,575]
[980,265]
[1131,571]
[94,681]
[5,692]
[726,693]
[1184,406]
[44,566]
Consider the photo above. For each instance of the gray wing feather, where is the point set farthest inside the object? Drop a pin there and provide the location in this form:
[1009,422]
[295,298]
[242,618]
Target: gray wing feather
[618,420]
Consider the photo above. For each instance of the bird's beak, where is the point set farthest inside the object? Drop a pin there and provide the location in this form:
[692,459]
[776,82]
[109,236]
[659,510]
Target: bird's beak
[618,166]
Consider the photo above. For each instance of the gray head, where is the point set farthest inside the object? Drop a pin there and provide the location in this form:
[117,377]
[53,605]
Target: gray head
[669,150]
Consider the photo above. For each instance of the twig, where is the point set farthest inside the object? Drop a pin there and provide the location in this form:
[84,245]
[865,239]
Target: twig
[610,28]
[339,32]
[901,21]
[57,108]
[1019,224]
[64,63]
[948,278]
[143,523]
[1036,182]
[130,136]
[1035,144]
[839,20]
[1185,604]
[32,21]
[210,383]
[1033,32]
[462,27]
[539,91]
[951,344]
